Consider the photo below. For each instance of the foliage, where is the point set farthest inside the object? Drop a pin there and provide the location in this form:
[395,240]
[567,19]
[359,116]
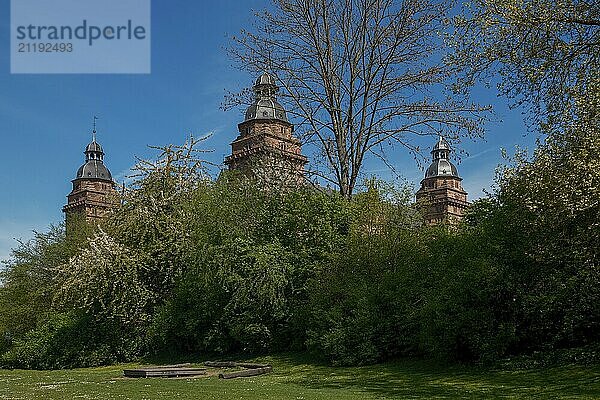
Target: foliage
[106,279]
[153,219]
[359,308]
[520,276]
[192,265]
[27,280]
[115,278]
[252,253]
[561,230]
[417,293]
[542,226]
[545,52]
[67,340]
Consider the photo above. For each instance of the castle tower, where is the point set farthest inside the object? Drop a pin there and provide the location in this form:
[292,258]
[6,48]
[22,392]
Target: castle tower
[93,194]
[441,189]
[266,148]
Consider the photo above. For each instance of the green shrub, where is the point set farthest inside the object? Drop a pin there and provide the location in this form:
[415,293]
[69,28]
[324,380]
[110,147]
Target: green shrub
[71,340]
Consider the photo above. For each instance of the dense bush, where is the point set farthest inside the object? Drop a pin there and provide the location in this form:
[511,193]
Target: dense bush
[410,293]
[188,264]
[68,340]
[519,276]
[252,253]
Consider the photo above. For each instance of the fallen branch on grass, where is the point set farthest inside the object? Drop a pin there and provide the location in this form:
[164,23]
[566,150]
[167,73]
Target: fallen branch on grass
[247,372]
[252,369]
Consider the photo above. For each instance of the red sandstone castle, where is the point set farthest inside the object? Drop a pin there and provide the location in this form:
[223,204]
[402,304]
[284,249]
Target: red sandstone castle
[441,190]
[93,194]
[266,149]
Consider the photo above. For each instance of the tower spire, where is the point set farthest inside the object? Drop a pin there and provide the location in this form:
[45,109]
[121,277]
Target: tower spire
[94,131]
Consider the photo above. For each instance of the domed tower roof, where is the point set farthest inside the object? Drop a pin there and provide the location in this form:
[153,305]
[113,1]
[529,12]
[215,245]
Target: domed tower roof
[441,165]
[265,104]
[441,144]
[265,79]
[94,167]
[94,147]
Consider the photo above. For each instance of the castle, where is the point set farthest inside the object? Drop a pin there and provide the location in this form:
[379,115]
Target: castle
[93,195]
[441,191]
[266,149]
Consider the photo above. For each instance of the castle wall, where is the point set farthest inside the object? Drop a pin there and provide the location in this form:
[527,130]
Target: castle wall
[93,198]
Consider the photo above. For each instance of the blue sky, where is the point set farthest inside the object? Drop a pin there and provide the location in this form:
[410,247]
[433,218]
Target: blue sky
[45,120]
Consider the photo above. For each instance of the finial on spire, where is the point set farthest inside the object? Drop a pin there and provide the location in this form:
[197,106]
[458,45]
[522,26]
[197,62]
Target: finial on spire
[94,131]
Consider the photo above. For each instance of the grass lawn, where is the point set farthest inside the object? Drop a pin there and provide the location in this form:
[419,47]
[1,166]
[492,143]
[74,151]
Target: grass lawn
[295,378]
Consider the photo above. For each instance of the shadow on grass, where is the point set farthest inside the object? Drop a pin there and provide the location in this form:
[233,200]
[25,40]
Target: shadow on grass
[424,379]
[416,379]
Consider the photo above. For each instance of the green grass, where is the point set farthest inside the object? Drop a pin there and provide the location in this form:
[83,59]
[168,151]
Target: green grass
[296,378]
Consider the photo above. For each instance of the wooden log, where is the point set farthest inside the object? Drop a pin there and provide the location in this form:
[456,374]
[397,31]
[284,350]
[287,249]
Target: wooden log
[163,372]
[252,366]
[232,364]
[171,366]
[246,373]
[220,364]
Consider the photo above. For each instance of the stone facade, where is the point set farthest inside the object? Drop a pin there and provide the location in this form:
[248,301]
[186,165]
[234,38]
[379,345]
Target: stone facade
[93,195]
[266,148]
[441,192]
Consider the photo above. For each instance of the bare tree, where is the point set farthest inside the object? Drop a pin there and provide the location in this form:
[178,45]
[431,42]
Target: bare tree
[359,75]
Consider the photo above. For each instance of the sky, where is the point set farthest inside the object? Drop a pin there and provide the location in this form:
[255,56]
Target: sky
[46,120]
